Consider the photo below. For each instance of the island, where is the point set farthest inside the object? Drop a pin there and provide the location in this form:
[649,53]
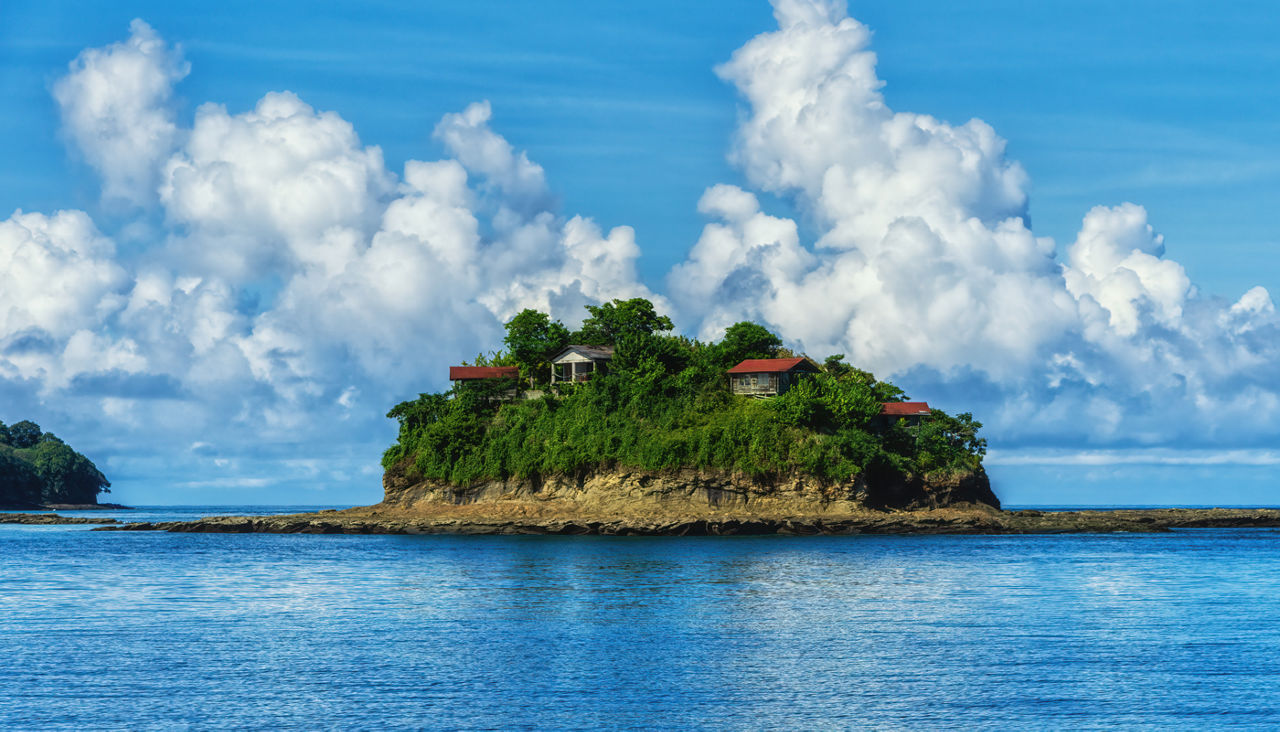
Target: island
[621,427]
[38,470]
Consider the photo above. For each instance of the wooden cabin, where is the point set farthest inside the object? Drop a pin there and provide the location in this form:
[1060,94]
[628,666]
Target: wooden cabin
[473,374]
[578,363]
[909,412]
[767,377]
[477,373]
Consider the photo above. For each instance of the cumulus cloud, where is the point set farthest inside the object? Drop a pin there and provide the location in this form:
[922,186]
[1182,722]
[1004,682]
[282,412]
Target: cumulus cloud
[521,184]
[300,283]
[277,188]
[924,255]
[924,265]
[1116,261]
[117,109]
[58,283]
[300,286]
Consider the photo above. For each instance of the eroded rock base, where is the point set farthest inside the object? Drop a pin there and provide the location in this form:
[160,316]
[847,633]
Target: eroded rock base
[975,519]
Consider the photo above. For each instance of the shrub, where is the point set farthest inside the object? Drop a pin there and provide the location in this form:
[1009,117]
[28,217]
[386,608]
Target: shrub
[665,404]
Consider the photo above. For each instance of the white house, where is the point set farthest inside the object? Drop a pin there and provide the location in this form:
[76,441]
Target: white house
[578,363]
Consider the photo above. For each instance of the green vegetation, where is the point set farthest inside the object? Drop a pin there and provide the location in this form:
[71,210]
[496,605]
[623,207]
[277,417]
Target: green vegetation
[38,468]
[665,404]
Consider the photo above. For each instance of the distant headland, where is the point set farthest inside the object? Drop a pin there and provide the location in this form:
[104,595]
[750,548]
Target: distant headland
[38,470]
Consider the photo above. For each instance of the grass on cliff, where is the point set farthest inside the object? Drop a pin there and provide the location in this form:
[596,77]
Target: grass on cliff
[666,404]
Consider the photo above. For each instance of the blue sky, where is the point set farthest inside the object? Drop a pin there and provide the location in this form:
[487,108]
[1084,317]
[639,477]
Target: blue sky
[1169,104]
[1165,105]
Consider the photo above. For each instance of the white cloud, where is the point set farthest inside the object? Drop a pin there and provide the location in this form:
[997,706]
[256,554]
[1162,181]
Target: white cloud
[58,273]
[116,105]
[1131,456]
[521,184]
[923,265]
[1116,261]
[278,188]
[923,256]
[300,287]
[58,283]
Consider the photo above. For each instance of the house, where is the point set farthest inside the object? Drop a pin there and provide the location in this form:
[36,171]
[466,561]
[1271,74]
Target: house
[477,373]
[499,374]
[766,377]
[909,412]
[578,363]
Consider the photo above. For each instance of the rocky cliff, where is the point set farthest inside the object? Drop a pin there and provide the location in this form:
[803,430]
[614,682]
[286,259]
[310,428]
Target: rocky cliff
[627,493]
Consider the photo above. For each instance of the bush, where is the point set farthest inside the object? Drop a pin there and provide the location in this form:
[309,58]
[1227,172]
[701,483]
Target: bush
[665,404]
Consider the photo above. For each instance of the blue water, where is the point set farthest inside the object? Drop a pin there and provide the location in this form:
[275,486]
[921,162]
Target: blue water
[162,631]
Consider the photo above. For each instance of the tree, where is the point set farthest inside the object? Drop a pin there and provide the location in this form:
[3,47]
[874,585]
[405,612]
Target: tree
[68,476]
[645,362]
[532,339]
[946,442]
[19,484]
[425,410]
[883,390]
[836,366]
[5,439]
[614,320]
[748,340]
[826,403]
[24,434]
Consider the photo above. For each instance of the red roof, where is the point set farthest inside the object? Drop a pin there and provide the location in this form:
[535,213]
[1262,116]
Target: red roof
[468,373]
[767,365]
[905,409]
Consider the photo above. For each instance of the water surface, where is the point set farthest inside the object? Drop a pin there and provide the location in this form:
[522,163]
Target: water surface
[156,631]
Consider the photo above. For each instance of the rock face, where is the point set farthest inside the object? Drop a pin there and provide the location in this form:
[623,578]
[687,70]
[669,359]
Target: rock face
[624,493]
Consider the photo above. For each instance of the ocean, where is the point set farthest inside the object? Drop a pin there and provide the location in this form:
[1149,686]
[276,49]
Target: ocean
[110,630]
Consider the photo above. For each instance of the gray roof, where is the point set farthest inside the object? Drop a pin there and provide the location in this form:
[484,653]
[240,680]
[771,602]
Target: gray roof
[595,353]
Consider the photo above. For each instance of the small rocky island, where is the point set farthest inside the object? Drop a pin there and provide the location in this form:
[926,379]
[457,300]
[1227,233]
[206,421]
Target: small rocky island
[622,428]
[38,470]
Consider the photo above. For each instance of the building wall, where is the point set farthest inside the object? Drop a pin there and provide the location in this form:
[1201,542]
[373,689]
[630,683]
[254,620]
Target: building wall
[750,384]
[766,384]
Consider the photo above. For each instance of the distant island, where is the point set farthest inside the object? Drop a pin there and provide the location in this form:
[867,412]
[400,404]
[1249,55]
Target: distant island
[38,470]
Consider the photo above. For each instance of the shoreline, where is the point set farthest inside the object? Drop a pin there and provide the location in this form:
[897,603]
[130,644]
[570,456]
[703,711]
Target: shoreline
[508,520]
[65,507]
[51,518]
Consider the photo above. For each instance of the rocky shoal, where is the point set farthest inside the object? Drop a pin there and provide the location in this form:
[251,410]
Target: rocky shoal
[955,520]
[50,518]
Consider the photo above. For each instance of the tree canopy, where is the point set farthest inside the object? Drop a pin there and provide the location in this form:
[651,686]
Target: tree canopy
[748,340]
[665,403]
[613,321]
[38,468]
[532,339]
[24,434]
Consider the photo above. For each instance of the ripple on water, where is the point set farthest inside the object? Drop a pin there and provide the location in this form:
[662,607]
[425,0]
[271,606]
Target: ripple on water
[153,630]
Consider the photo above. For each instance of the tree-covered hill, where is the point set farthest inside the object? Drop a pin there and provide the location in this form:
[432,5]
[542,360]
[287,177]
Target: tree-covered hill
[37,468]
[665,404]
